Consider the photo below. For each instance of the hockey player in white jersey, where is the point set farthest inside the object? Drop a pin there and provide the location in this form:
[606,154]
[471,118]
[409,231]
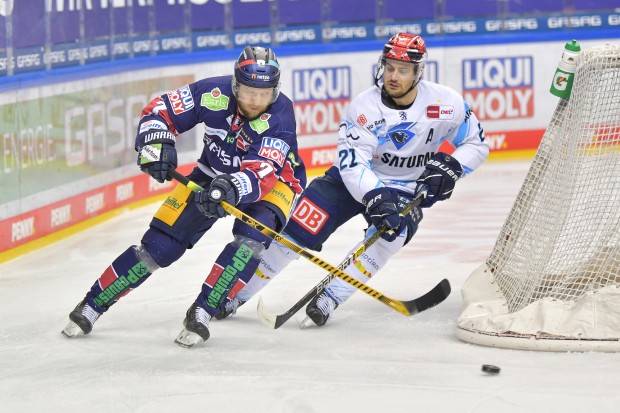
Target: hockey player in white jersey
[388,150]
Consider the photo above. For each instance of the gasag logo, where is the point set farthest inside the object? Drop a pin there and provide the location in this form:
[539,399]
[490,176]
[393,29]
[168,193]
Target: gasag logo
[321,97]
[274,149]
[181,100]
[499,88]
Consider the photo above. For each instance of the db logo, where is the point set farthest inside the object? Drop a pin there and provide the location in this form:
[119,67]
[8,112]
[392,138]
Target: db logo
[310,216]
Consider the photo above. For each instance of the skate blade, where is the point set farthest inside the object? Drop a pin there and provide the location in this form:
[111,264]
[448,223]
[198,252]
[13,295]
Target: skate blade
[72,330]
[307,323]
[187,339]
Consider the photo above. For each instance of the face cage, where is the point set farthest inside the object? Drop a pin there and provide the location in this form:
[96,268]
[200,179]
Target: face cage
[381,68]
[235,90]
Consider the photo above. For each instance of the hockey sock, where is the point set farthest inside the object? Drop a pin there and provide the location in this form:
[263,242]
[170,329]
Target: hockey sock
[274,259]
[364,267]
[235,264]
[127,271]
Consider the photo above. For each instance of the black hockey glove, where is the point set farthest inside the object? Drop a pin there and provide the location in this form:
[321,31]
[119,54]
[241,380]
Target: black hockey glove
[441,173]
[411,221]
[381,210]
[222,188]
[156,153]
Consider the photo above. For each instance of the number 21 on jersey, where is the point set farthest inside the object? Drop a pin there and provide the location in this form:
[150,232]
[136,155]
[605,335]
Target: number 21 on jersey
[347,161]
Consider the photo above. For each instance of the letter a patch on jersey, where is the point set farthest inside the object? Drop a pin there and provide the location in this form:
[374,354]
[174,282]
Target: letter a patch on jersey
[310,216]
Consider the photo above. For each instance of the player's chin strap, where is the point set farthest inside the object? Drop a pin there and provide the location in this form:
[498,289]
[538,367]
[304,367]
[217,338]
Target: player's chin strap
[379,75]
[403,307]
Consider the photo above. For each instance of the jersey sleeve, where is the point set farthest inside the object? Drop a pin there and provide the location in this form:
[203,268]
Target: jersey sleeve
[175,111]
[471,149]
[356,147]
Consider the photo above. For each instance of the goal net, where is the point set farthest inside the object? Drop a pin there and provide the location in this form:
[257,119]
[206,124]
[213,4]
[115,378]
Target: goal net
[552,281]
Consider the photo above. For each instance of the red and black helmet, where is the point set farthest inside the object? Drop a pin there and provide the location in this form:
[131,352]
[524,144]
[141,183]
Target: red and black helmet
[406,48]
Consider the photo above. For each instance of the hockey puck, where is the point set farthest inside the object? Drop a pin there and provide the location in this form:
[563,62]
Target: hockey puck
[490,369]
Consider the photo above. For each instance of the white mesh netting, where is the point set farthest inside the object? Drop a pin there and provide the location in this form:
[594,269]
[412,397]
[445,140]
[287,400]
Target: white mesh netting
[555,268]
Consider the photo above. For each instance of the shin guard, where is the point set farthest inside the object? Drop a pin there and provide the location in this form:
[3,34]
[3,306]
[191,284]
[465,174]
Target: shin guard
[366,266]
[236,263]
[127,271]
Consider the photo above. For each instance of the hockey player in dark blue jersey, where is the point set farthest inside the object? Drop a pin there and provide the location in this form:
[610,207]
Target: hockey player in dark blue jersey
[249,159]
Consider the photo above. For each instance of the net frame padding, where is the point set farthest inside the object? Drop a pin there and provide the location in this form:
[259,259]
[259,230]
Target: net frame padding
[552,281]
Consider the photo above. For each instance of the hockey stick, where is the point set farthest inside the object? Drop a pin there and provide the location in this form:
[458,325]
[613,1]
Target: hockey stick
[275,321]
[403,307]
[435,296]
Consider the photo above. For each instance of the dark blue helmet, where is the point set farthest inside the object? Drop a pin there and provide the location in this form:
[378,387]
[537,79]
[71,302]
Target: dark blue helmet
[257,67]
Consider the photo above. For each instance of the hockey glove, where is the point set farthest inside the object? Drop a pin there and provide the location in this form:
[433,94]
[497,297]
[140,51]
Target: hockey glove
[411,221]
[441,173]
[156,153]
[222,188]
[381,209]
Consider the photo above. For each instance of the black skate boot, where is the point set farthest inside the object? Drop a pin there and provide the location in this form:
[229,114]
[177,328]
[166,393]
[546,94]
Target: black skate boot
[320,309]
[81,319]
[196,327]
[229,309]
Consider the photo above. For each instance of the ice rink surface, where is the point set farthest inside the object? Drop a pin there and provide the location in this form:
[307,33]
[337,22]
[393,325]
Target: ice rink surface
[368,358]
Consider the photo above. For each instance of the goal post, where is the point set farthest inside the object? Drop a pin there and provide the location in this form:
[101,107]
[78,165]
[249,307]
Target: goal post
[552,281]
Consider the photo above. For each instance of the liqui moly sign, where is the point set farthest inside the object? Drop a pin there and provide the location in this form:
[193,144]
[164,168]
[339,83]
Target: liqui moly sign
[321,97]
[499,88]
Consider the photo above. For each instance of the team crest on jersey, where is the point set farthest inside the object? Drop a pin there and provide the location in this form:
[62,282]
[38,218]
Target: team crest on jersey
[401,134]
[242,143]
[214,100]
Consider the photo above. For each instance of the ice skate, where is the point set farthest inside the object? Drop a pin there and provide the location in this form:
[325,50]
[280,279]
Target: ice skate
[196,327]
[319,310]
[230,308]
[81,319]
